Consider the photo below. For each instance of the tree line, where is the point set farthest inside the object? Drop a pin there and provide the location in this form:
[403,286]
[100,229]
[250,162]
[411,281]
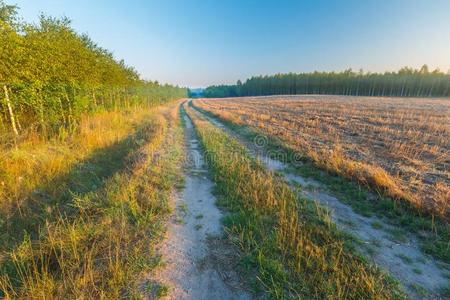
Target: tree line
[50,75]
[407,82]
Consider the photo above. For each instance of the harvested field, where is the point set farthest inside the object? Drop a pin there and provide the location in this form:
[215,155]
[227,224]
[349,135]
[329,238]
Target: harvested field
[290,242]
[400,147]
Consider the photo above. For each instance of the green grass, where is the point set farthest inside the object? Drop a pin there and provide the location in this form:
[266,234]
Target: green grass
[290,242]
[397,235]
[417,271]
[376,225]
[406,259]
[156,291]
[445,291]
[92,231]
[419,290]
[433,233]
[183,208]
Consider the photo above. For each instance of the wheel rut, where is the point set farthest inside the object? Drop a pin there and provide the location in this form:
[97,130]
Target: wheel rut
[195,250]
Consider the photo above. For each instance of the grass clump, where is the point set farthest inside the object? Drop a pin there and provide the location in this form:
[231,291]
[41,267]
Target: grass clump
[296,250]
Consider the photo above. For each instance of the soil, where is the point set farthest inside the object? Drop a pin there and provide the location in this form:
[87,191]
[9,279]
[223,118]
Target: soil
[199,261]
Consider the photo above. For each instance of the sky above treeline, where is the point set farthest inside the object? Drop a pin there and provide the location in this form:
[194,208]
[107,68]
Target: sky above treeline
[204,42]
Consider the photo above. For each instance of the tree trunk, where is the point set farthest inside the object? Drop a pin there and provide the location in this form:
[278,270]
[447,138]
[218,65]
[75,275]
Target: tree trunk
[1,122]
[66,94]
[10,110]
[61,107]
[40,99]
[94,98]
[19,126]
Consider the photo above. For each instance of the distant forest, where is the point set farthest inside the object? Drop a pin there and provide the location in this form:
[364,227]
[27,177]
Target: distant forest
[407,82]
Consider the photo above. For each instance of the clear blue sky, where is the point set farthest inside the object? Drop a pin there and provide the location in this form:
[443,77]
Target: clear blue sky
[202,42]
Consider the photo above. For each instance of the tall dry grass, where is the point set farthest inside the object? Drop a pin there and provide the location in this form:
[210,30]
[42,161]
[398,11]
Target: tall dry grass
[35,162]
[85,217]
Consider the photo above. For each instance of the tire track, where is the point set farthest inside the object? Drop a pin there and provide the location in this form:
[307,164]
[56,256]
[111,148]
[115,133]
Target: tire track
[194,249]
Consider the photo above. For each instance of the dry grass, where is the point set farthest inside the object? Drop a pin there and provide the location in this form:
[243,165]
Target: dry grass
[296,249]
[399,147]
[81,216]
[35,162]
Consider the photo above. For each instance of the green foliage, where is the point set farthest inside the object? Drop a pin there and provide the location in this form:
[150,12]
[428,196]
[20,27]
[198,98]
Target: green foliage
[407,82]
[50,75]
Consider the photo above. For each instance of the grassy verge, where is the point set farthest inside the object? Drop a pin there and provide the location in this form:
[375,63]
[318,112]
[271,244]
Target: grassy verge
[90,231]
[296,249]
[433,233]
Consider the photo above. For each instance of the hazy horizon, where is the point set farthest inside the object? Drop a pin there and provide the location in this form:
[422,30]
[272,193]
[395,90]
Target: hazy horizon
[210,43]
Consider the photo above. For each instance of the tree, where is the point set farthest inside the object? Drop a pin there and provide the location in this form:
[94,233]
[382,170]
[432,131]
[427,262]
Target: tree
[50,75]
[406,82]
[9,67]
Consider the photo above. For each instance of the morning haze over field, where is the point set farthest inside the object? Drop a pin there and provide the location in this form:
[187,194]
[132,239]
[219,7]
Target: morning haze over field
[224,150]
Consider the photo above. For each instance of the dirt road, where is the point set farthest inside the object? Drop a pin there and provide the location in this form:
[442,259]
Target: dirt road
[194,249]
